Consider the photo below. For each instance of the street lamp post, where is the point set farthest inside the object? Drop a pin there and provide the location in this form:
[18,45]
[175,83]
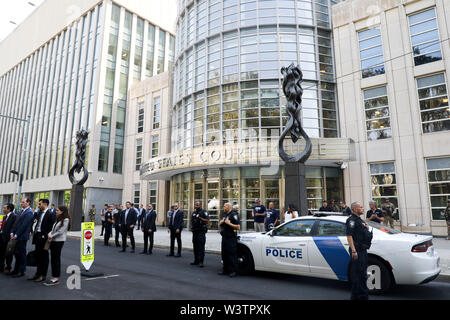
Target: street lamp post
[24,144]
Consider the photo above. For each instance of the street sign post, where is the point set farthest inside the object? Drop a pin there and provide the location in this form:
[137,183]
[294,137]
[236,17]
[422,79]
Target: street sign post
[87,244]
[87,249]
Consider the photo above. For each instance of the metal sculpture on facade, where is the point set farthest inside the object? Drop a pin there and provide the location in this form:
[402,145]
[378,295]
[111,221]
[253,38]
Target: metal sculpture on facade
[292,78]
[76,197]
[295,181]
[80,159]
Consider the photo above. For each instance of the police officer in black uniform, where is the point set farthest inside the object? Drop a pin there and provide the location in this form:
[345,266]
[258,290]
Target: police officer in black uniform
[359,238]
[199,223]
[229,224]
[108,224]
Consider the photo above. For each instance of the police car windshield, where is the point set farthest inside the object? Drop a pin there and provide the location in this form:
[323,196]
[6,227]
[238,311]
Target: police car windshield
[382,227]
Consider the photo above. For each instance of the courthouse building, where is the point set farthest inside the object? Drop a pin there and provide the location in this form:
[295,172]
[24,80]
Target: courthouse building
[393,69]
[69,66]
[228,110]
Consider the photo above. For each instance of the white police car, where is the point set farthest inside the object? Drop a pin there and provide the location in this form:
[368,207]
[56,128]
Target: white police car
[317,246]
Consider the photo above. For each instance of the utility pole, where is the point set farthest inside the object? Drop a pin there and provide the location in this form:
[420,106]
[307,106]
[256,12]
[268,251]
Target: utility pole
[24,144]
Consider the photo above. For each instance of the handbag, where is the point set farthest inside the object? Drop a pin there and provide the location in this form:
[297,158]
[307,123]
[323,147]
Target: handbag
[31,259]
[11,247]
[47,245]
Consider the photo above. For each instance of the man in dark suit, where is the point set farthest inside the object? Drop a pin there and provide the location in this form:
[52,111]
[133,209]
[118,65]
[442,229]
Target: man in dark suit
[116,222]
[176,220]
[149,228]
[21,232]
[5,231]
[127,223]
[44,224]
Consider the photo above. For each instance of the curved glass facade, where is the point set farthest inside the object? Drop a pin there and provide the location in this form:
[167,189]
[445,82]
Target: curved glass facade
[227,80]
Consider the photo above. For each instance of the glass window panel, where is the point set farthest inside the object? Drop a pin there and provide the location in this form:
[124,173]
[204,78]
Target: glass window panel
[424,37]
[431,80]
[425,15]
[368,33]
[423,26]
[381,168]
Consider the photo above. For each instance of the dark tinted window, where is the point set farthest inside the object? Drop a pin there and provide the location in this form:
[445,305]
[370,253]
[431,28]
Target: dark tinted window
[331,228]
[297,228]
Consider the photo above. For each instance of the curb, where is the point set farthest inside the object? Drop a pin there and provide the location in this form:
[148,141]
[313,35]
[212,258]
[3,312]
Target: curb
[443,278]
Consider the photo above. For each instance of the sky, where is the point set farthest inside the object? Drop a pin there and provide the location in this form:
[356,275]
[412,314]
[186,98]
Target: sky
[16,11]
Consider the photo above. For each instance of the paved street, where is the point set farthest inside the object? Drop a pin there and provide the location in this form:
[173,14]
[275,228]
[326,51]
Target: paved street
[136,277]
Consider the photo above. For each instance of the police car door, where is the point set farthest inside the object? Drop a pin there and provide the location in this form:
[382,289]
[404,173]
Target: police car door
[328,252]
[286,247]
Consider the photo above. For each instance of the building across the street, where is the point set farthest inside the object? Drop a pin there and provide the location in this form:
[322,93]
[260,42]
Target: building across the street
[392,67]
[228,109]
[69,66]
[147,136]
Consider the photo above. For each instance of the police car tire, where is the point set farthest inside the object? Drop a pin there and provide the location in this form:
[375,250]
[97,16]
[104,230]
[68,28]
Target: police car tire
[247,265]
[386,277]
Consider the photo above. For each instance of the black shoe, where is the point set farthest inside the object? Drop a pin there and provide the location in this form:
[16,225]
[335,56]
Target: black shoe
[19,275]
[122,250]
[170,255]
[178,255]
[117,245]
[194,263]
[149,253]
[201,265]
[233,274]
[143,252]
[132,251]
[222,273]
[12,273]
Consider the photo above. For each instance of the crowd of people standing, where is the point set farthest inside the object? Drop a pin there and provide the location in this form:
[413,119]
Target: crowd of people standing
[47,227]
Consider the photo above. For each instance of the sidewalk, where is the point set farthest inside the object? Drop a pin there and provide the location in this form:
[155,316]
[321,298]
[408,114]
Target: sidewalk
[213,243]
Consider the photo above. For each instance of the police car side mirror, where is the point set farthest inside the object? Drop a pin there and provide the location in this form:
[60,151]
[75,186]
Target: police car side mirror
[273,232]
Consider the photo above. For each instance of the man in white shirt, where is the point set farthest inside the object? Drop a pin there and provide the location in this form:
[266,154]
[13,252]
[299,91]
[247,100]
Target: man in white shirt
[141,215]
[104,210]
[44,223]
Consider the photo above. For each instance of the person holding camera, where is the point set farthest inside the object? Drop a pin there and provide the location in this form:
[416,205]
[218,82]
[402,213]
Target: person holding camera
[199,223]
[374,214]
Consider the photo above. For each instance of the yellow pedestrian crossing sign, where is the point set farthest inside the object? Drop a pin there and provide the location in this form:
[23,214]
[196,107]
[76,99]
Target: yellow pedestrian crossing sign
[87,244]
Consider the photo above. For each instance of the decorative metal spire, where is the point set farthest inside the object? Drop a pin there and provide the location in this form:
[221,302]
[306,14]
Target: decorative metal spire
[80,158]
[292,79]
